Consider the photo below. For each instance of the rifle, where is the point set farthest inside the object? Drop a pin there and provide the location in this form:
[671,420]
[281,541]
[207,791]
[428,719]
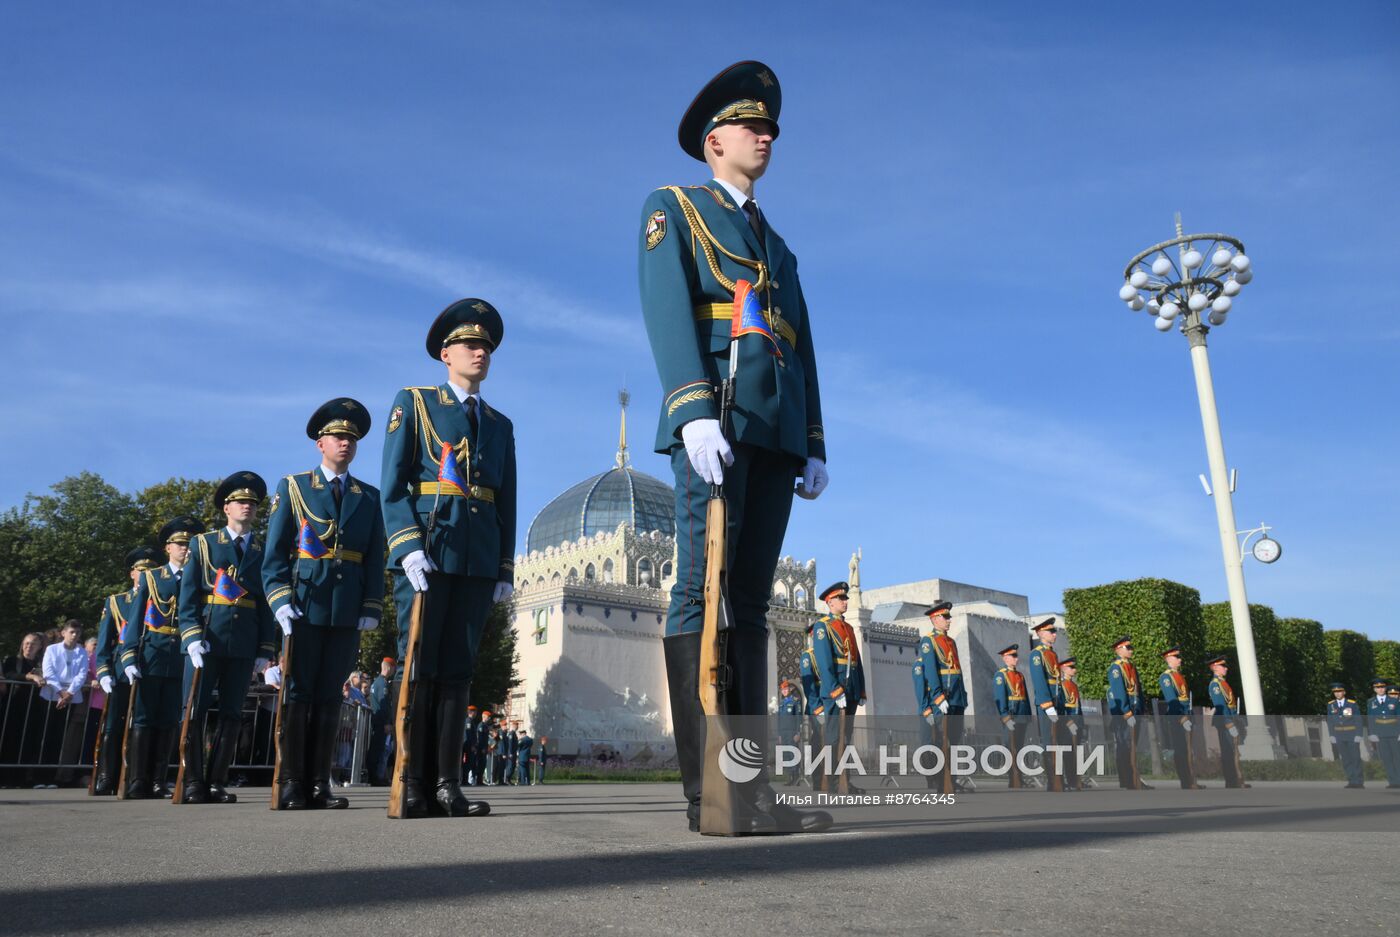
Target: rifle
[97,743]
[131,698]
[191,700]
[719,800]
[277,726]
[408,679]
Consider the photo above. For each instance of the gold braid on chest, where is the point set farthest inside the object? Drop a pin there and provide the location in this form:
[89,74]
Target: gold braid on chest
[709,243]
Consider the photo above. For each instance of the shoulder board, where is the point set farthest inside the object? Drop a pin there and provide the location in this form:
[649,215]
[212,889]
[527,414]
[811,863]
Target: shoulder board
[424,387]
[1350,700]
[306,474]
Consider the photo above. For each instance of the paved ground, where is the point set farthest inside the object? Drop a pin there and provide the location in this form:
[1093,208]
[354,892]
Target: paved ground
[615,859]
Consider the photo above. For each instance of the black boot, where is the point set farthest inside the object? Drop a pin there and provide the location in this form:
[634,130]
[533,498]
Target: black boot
[220,757]
[325,726]
[196,790]
[688,721]
[420,724]
[451,721]
[748,653]
[291,754]
[110,764]
[138,758]
[164,753]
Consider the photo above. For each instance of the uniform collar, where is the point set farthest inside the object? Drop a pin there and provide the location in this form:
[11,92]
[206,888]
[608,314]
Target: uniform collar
[740,199]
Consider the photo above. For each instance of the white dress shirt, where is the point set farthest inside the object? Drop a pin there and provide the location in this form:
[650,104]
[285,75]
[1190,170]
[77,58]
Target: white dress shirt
[237,537]
[740,199]
[462,396]
[64,669]
[344,477]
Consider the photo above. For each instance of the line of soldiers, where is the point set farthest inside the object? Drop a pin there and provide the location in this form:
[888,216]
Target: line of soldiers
[190,634]
[495,754]
[1351,724]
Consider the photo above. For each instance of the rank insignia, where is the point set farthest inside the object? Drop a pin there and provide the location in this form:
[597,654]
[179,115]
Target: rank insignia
[918,669]
[395,418]
[656,229]
[276,500]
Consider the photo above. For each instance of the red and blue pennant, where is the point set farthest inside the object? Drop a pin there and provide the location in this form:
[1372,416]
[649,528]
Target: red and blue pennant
[309,546]
[227,589]
[749,318]
[154,619]
[450,481]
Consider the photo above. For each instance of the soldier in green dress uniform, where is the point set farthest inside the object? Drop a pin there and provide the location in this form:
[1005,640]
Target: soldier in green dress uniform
[448,493]
[695,245]
[151,660]
[116,612]
[1344,728]
[1177,698]
[226,630]
[324,579]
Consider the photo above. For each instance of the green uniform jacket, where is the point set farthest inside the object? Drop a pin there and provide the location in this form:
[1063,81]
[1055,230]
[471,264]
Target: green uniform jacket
[116,609]
[160,648]
[777,402]
[246,630]
[347,584]
[474,534]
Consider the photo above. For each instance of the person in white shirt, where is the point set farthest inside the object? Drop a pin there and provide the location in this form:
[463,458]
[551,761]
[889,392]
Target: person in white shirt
[65,670]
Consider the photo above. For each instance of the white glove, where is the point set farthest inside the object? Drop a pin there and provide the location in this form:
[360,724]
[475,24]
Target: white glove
[841,701]
[814,479]
[132,673]
[106,683]
[1186,724]
[1051,714]
[260,664]
[368,623]
[707,449]
[286,615]
[1373,738]
[1132,720]
[196,652]
[504,590]
[820,717]
[930,719]
[1234,733]
[943,707]
[416,567]
[1074,728]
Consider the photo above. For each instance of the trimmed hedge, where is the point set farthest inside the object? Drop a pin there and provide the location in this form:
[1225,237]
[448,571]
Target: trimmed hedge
[1387,659]
[1306,672]
[1350,659]
[1268,650]
[1158,613]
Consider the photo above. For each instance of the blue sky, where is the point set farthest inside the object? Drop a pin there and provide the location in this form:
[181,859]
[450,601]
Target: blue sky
[213,219]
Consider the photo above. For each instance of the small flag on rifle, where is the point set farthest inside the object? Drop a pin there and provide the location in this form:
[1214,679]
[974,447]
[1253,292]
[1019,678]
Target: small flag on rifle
[749,318]
[309,546]
[225,588]
[449,475]
[154,619]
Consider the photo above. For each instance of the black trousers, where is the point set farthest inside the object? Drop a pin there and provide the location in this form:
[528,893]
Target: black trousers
[1124,750]
[1181,752]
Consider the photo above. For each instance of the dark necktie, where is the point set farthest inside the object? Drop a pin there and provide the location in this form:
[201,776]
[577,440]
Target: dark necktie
[335,490]
[471,414]
[238,548]
[755,219]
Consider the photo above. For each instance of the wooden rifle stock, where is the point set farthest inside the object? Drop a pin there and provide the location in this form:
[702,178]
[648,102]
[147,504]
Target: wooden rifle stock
[126,734]
[719,800]
[191,704]
[286,669]
[398,807]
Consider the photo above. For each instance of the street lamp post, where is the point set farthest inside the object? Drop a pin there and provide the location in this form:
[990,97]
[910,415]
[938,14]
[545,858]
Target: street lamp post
[1197,286]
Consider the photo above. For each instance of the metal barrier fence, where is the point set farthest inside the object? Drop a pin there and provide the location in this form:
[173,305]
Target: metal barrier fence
[42,744]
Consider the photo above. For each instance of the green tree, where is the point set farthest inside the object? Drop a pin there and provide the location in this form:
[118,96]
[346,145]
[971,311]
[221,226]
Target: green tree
[383,641]
[164,501]
[495,673]
[1158,613]
[1306,672]
[1350,659]
[1268,648]
[1387,660]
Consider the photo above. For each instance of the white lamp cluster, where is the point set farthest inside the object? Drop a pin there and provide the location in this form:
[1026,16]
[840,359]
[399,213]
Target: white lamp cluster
[1166,286]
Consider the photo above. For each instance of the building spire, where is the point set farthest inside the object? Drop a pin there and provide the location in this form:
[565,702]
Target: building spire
[623,399]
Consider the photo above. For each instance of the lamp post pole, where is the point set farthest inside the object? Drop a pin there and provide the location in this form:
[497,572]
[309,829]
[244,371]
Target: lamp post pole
[1186,286]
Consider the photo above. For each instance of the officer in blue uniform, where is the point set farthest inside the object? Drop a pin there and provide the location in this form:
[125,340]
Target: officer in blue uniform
[1014,708]
[323,573]
[525,753]
[116,612]
[789,724]
[1383,729]
[449,496]
[1344,731]
[226,629]
[1049,701]
[939,691]
[1177,697]
[1229,725]
[482,747]
[695,245]
[150,659]
[840,672]
[1075,729]
[1126,701]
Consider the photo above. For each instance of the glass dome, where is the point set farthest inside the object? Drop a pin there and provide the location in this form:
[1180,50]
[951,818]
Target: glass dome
[619,495]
